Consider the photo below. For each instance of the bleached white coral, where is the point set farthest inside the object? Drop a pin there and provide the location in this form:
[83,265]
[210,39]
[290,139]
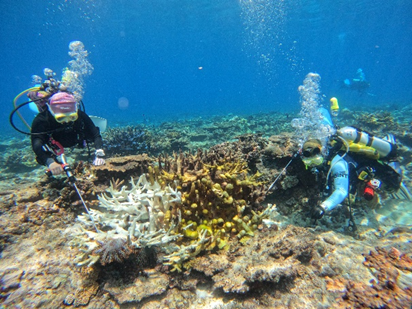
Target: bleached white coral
[134,216]
[271,217]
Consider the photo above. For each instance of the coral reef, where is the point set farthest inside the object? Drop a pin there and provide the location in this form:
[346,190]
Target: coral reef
[279,260]
[382,120]
[121,168]
[139,289]
[16,157]
[190,134]
[138,218]
[179,235]
[391,289]
[206,206]
[129,140]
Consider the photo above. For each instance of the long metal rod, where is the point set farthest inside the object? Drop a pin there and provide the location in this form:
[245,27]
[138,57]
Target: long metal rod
[85,207]
[281,173]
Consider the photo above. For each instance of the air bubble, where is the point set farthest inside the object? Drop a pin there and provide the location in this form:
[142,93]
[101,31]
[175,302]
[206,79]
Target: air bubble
[73,76]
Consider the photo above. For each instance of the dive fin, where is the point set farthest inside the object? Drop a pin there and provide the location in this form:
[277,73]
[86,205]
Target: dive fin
[405,192]
[402,194]
[390,138]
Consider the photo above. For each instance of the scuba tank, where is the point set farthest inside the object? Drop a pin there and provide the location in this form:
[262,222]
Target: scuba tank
[334,106]
[365,143]
[369,152]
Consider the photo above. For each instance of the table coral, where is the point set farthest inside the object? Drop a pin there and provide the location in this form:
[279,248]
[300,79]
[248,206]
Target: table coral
[122,168]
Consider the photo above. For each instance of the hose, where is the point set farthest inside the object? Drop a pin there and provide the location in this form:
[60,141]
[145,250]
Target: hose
[17,107]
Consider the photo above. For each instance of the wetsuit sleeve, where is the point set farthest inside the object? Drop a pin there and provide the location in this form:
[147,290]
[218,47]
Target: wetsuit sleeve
[340,176]
[39,125]
[92,132]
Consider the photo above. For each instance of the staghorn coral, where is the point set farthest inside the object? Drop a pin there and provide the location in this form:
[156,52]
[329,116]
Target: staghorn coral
[129,140]
[198,202]
[380,121]
[139,216]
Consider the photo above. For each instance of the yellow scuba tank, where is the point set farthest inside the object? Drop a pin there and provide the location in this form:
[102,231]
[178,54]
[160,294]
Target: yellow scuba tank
[334,106]
[353,136]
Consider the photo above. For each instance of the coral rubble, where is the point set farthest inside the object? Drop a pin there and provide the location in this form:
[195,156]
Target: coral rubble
[391,288]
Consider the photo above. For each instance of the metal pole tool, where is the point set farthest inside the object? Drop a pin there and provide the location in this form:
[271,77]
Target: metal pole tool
[72,180]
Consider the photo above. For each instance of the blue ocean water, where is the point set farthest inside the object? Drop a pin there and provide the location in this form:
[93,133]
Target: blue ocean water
[172,59]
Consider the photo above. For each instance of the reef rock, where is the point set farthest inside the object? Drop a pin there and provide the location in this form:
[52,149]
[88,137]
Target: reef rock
[122,168]
[390,289]
[141,288]
[278,260]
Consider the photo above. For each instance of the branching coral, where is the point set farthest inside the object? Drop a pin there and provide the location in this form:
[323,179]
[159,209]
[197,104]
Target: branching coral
[216,197]
[186,203]
[138,217]
[127,140]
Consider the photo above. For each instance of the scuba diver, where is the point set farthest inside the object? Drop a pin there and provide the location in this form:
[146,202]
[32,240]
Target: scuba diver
[354,162]
[358,83]
[59,123]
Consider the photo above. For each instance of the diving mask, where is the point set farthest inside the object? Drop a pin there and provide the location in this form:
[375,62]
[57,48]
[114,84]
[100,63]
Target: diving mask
[313,161]
[64,118]
[311,151]
[63,107]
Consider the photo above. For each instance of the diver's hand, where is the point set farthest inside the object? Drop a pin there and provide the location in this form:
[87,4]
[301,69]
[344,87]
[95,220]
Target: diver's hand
[99,160]
[40,98]
[56,168]
[35,95]
[318,212]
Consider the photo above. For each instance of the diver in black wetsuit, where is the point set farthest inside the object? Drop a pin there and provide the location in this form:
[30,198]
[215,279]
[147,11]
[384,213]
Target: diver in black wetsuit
[60,125]
[358,83]
[356,163]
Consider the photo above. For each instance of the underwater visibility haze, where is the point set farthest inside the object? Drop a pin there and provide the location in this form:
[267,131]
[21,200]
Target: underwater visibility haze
[208,197]
[185,58]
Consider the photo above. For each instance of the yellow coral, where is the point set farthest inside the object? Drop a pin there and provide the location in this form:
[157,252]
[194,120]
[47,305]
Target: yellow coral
[214,199]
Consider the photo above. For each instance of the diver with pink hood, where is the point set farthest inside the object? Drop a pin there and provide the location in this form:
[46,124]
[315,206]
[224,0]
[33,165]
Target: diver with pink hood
[62,124]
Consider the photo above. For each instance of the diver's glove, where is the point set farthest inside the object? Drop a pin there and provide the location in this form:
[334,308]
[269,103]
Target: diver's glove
[99,160]
[318,212]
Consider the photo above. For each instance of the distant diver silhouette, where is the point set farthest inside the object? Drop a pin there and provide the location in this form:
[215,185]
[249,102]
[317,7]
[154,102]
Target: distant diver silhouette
[358,83]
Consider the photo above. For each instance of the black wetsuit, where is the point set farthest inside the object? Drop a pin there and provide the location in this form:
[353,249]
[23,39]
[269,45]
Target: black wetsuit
[68,135]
